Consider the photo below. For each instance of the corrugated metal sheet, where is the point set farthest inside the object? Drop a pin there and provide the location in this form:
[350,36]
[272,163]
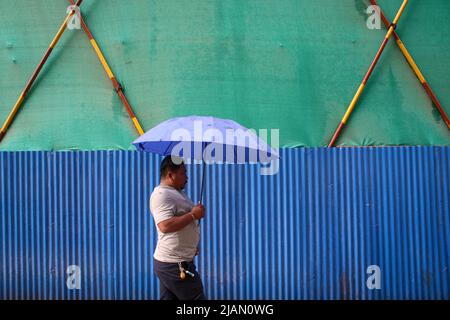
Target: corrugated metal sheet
[309,232]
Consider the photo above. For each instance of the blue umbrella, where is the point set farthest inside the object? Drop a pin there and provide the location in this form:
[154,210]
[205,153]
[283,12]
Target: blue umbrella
[210,139]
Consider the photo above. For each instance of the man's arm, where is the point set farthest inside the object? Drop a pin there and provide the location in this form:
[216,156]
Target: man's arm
[179,222]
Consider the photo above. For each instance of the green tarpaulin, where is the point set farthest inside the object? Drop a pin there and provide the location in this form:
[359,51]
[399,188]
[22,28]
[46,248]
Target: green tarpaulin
[292,65]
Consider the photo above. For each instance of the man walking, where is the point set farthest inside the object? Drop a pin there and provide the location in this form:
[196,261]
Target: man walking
[177,221]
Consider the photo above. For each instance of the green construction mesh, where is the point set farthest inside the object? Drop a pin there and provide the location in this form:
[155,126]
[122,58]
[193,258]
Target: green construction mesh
[292,65]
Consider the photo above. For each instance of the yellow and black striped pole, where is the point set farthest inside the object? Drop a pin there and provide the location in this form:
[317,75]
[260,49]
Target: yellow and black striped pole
[415,68]
[35,73]
[111,76]
[368,74]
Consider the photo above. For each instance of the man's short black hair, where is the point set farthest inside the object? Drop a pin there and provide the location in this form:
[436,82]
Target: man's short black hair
[170,163]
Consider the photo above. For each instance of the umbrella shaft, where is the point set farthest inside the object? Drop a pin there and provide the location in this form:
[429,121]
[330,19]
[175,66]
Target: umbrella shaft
[203,181]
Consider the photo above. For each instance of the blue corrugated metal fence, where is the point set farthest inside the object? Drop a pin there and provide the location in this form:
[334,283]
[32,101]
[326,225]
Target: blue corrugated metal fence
[312,231]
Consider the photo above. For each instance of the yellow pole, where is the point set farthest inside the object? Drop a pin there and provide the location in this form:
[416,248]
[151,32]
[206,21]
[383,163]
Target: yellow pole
[22,96]
[415,68]
[368,74]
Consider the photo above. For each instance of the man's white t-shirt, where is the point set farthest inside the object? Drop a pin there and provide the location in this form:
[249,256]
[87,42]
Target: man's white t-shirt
[167,202]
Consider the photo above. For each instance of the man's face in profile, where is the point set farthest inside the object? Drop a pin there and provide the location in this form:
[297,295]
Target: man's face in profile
[179,178]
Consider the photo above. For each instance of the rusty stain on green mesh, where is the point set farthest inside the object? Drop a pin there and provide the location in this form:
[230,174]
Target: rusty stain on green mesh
[293,65]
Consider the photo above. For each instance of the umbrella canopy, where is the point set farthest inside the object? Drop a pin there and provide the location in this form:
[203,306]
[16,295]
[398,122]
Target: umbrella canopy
[206,138]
